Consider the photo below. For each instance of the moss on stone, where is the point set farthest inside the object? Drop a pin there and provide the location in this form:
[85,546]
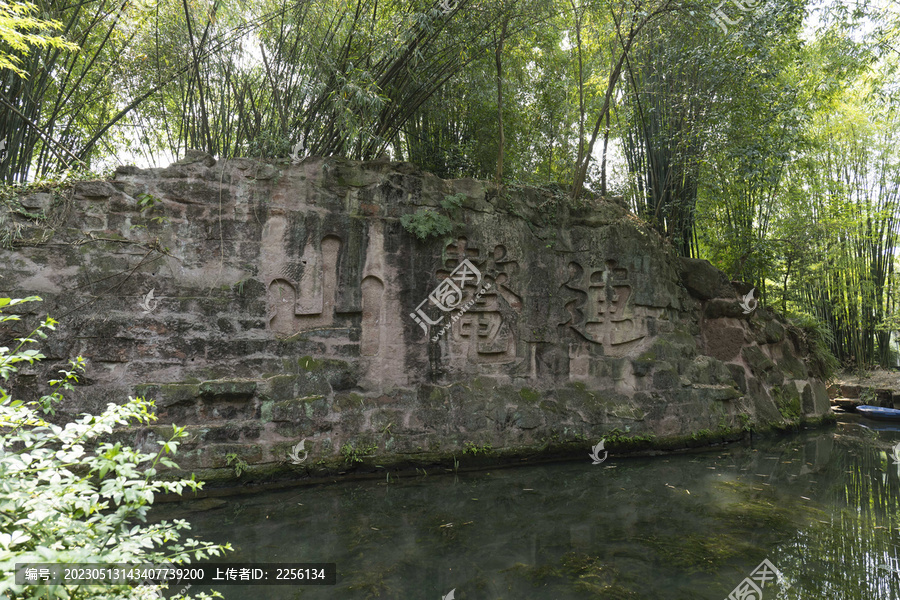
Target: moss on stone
[760,364]
[788,401]
[529,395]
[345,402]
[228,388]
[627,411]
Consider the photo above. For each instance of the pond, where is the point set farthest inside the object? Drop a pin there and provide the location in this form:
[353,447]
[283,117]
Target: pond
[821,506]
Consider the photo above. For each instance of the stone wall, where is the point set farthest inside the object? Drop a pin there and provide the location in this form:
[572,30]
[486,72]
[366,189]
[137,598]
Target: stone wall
[289,304]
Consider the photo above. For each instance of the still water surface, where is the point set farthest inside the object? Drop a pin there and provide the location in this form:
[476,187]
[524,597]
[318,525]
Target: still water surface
[821,506]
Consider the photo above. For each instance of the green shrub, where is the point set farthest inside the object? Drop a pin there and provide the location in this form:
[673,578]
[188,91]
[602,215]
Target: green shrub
[474,449]
[68,497]
[355,455]
[818,338]
[240,465]
[427,222]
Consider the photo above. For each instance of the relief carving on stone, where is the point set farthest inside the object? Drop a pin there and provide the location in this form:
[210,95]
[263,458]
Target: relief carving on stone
[486,332]
[600,308]
[309,304]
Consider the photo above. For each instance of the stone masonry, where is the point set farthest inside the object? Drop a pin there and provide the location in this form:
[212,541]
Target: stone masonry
[290,304]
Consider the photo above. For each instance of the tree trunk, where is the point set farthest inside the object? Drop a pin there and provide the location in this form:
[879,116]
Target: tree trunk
[502,139]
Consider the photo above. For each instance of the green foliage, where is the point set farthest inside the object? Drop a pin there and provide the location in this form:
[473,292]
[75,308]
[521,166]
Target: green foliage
[474,449]
[239,464]
[453,202]
[617,436]
[789,407]
[16,19]
[147,201]
[68,496]
[355,455]
[426,222]
[701,435]
[266,144]
[867,396]
[818,338]
[150,203]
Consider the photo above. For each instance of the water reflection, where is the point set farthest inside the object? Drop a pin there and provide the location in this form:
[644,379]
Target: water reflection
[821,506]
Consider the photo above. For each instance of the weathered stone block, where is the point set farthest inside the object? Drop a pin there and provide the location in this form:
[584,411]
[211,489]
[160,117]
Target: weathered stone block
[168,394]
[285,387]
[528,418]
[666,378]
[640,368]
[196,157]
[297,430]
[39,202]
[228,389]
[811,399]
[723,341]
[95,189]
[791,365]
[230,432]
[788,401]
[760,364]
[294,410]
[764,408]
[340,375]
[774,332]
[708,393]
[707,370]
[850,391]
[718,308]
[739,375]
[703,280]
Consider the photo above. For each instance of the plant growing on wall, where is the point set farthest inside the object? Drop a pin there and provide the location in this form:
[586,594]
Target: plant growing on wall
[355,455]
[427,222]
[239,464]
[67,497]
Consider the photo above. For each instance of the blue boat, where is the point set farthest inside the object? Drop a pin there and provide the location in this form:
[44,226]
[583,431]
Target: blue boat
[878,412]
